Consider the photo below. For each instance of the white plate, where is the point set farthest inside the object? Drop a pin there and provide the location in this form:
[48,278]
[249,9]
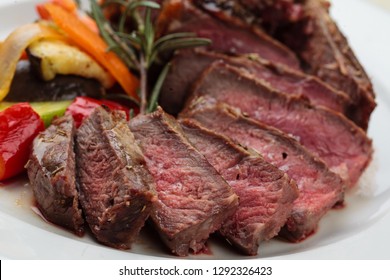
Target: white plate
[358,231]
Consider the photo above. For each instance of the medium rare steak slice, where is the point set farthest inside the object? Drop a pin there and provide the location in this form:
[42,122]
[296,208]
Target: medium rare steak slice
[186,67]
[266,193]
[227,37]
[51,170]
[319,188]
[327,54]
[116,189]
[193,199]
[343,146]
[308,29]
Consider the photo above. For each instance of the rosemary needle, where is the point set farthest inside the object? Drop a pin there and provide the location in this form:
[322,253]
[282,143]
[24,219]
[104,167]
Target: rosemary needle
[139,48]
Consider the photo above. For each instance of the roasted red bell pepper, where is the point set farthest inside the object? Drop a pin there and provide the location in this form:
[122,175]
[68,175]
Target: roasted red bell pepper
[19,125]
[82,107]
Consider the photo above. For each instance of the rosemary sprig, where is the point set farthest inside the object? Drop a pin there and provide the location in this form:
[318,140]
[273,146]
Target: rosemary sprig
[139,48]
[157,87]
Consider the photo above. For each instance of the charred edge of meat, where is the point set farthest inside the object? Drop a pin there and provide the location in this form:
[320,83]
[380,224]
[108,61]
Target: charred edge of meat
[325,52]
[116,189]
[51,170]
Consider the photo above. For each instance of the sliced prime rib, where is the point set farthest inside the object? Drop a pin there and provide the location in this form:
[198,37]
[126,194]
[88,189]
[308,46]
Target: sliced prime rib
[193,199]
[234,37]
[186,67]
[116,189]
[266,193]
[343,146]
[319,188]
[52,174]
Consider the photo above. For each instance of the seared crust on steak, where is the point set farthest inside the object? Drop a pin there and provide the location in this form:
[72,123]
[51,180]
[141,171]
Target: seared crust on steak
[327,54]
[116,189]
[51,170]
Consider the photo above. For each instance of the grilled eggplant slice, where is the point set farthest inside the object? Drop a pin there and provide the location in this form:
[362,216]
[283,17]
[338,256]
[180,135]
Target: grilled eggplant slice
[27,87]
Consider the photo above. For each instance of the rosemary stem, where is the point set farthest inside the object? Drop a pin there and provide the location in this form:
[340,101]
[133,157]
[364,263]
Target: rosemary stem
[143,84]
[140,49]
[153,100]
[128,51]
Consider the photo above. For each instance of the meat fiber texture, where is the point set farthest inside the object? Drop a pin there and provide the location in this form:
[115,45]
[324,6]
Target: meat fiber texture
[327,54]
[266,193]
[193,199]
[116,189]
[231,37]
[270,15]
[308,29]
[319,188]
[187,65]
[342,145]
[51,171]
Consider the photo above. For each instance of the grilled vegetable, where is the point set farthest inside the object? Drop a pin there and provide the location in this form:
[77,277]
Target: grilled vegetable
[19,125]
[46,110]
[52,57]
[27,87]
[94,45]
[13,47]
[82,107]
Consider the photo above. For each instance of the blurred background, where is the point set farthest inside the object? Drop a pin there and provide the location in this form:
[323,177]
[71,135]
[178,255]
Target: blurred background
[383,3]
